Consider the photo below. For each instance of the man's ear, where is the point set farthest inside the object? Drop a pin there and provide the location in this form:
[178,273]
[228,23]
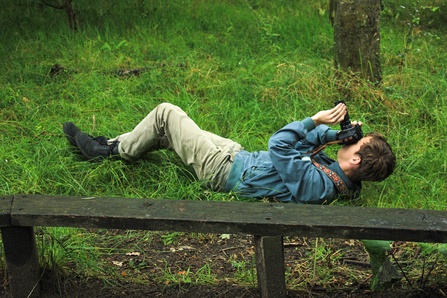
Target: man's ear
[356,159]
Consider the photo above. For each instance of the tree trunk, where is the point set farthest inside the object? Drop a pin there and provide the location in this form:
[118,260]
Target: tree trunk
[68,7]
[72,19]
[357,38]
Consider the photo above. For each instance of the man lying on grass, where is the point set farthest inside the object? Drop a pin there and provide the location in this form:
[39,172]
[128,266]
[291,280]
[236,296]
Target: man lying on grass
[286,172]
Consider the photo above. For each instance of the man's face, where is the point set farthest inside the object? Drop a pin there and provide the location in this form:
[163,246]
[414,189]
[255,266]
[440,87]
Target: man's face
[347,152]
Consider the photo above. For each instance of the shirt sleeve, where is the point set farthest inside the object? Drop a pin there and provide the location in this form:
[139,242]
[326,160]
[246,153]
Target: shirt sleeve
[321,135]
[306,183]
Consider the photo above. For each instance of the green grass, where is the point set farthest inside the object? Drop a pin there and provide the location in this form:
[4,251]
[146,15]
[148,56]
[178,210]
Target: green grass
[251,67]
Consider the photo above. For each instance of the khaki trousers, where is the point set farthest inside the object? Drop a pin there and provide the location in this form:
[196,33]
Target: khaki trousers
[168,127]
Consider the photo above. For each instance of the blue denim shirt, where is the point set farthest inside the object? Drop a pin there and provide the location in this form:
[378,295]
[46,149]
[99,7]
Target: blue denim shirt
[285,172]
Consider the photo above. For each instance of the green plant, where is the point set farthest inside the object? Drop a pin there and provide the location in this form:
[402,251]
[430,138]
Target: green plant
[385,274]
[202,276]
[245,272]
[170,238]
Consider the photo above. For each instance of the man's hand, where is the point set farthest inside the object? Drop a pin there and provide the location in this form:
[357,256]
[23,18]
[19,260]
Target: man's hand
[331,117]
[353,123]
[351,135]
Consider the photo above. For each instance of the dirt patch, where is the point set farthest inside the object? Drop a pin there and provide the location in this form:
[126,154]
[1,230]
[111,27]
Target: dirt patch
[205,265]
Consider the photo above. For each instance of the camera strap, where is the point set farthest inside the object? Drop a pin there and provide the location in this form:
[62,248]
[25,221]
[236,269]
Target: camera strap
[338,182]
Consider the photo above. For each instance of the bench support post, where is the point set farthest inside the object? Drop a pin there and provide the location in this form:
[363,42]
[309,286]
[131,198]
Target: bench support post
[22,261]
[270,266]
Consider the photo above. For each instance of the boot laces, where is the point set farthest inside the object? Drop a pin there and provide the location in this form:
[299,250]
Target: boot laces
[101,140]
[111,147]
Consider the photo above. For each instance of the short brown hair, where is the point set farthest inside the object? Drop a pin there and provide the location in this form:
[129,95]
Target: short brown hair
[377,159]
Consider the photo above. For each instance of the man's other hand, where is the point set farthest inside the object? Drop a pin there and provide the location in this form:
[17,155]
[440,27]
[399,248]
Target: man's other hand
[353,123]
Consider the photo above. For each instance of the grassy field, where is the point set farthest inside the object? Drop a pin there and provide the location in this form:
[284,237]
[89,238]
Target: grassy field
[241,69]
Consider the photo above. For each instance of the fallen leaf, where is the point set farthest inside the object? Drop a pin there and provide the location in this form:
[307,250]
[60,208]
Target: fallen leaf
[133,253]
[225,236]
[185,248]
[116,263]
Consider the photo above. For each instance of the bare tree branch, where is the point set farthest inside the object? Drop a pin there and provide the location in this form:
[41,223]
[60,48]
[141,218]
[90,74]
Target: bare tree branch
[52,5]
[68,7]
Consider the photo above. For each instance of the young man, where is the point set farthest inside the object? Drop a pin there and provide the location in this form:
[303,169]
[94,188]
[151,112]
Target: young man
[286,172]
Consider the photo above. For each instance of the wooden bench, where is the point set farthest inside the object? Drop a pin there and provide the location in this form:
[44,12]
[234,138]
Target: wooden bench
[268,222]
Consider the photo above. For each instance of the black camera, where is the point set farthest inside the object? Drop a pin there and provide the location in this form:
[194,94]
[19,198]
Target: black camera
[348,134]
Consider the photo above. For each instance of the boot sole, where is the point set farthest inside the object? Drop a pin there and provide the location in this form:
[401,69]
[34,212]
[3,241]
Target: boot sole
[69,137]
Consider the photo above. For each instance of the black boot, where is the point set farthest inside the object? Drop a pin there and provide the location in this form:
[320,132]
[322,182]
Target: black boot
[72,130]
[93,149]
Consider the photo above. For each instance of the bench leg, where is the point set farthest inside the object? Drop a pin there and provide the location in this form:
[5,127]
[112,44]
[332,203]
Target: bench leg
[22,261]
[270,266]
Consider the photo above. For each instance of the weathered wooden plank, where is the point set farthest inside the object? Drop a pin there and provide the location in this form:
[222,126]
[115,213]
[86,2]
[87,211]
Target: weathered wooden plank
[263,219]
[22,261]
[270,266]
[5,211]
